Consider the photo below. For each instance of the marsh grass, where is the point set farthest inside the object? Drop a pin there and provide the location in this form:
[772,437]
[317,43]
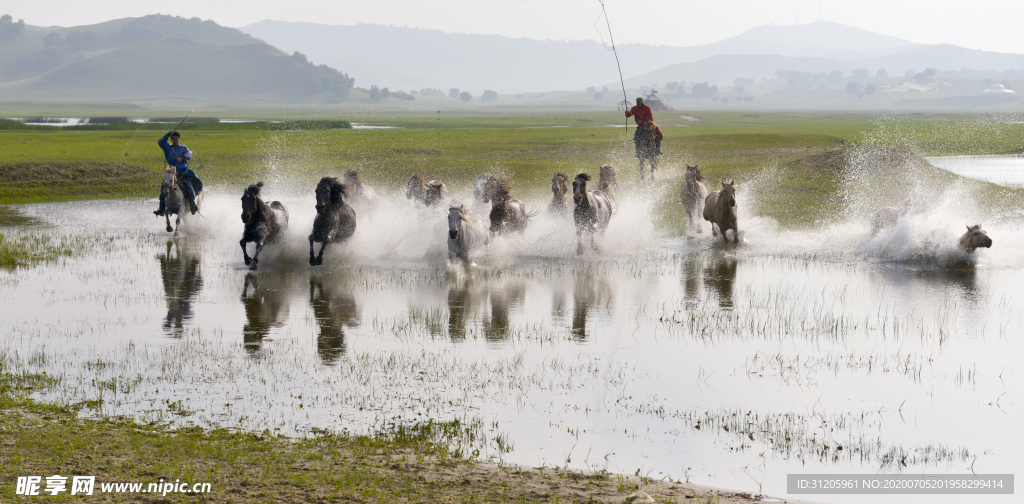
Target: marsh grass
[23,250]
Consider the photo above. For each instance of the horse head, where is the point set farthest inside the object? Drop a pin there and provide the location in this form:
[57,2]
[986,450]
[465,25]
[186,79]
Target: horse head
[414,189]
[579,188]
[455,219]
[975,238]
[693,171]
[435,192]
[330,193]
[608,178]
[558,184]
[354,180]
[497,189]
[728,194]
[169,182]
[251,202]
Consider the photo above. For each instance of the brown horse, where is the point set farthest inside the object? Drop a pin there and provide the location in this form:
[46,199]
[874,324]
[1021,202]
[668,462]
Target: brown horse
[974,239]
[432,193]
[692,192]
[360,194]
[560,198]
[335,221]
[592,213]
[507,213]
[608,182]
[263,223]
[720,211]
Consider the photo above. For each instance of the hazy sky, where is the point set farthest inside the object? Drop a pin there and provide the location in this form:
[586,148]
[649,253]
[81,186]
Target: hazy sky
[977,24]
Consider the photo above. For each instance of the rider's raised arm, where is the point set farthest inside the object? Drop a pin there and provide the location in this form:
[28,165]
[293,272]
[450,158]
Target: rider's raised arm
[163,141]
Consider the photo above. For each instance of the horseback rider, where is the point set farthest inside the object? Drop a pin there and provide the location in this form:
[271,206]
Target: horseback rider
[645,130]
[178,156]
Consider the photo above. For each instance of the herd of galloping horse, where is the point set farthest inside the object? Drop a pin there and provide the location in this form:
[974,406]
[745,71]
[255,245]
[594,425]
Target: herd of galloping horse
[469,231]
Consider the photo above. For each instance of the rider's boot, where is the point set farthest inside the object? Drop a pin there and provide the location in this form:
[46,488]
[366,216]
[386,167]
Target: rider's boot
[160,211]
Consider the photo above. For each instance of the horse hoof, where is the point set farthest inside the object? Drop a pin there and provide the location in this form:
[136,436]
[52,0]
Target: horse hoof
[252,267]
[169,229]
[579,250]
[248,261]
[319,261]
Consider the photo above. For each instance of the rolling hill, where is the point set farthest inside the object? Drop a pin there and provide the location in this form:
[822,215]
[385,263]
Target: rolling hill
[160,58]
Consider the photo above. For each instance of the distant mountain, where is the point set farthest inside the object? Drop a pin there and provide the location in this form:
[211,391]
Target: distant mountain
[407,58]
[159,58]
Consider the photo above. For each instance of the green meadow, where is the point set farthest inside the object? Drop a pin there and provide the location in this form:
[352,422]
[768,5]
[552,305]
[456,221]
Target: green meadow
[803,153]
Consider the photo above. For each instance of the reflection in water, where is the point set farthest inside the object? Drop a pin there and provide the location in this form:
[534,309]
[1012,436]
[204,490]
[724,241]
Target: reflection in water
[588,293]
[496,328]
[690,272]
[182,277]
[721,278]
[333,311]
[265,308]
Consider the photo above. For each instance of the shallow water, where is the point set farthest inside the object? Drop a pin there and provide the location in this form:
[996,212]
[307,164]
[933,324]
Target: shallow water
[1002,170]
[676,357]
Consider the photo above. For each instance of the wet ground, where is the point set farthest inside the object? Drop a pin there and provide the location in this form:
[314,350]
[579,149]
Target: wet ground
[809,351]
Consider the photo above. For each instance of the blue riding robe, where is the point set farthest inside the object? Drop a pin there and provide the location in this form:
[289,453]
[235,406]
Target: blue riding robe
[172,153]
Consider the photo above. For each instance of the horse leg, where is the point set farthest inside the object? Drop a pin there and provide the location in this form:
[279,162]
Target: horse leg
[654,166]
[312,260]
[735,235]
[593,240]
[714,230]
[245,253]
[579,240]
[320,256]
[256,256]
[167,216]
[643,176]
[177,222]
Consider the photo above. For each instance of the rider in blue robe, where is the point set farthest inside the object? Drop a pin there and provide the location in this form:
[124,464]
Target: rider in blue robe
[178,156]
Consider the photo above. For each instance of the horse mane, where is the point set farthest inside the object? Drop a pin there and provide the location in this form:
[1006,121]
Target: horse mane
[254,189]
[696,172]
[584,177]
[456,205]
[561,176]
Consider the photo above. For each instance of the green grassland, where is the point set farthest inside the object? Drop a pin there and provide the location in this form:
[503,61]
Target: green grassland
[805,151]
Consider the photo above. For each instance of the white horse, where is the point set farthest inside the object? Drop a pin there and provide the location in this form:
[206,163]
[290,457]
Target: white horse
[467,230]
[174,199]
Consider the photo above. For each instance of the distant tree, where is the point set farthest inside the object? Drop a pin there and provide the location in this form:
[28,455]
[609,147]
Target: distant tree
[930,72]
[489,95]
[671,86]
[835,76]
[604,90]
[375,93]
[402,95]
[598,96]
[591,89]
[52,39]
[909,74]
[882,74]
[299,57]
[860,74]
[432,92]
[8,28]
[869,89]
[414,92]
[465,96]
[385,93]
[852,87]
[702,89]
[987,81]
[1006,84]
[453,93]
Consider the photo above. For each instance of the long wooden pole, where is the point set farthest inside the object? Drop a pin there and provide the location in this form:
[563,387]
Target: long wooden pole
[617,64]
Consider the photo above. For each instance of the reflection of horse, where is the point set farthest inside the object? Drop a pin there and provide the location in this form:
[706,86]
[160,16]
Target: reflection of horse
[174,199]
[332,311]
[721,277]
[589,291]
[265,308]
[182,278]
[335,221]
[974,239]
[608,182]
[431,193]
[360,194]
[263,223]
[646,148]
[592,212]
[467,231]
[720,211]
[496,328]
[463,302]
[692,193]
[560,195]
[507,213]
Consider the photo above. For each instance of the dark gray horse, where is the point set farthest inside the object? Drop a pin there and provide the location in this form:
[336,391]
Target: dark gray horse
[174,199]
[263,223]
[335,221]
[592,212]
